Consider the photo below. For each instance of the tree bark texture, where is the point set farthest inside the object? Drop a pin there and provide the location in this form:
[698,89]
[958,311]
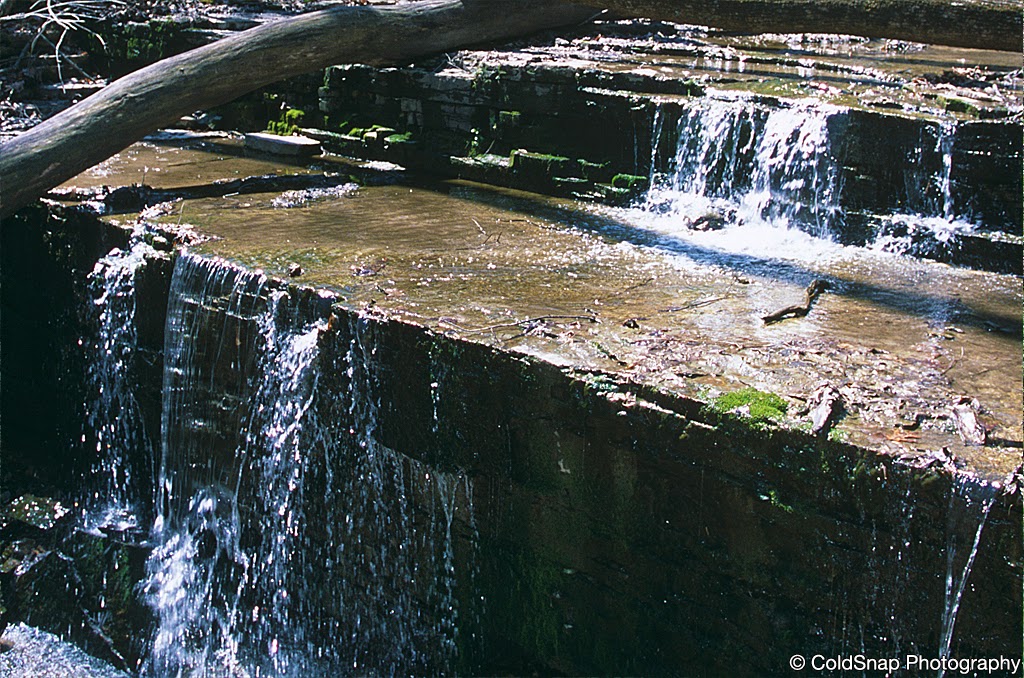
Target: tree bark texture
[153,97]
[141,102]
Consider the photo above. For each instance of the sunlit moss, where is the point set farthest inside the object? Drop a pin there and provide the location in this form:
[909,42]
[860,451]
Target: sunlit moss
[761,406]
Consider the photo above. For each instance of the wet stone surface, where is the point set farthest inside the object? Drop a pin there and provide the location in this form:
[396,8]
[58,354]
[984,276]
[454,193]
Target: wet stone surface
[873,130]
[903,341]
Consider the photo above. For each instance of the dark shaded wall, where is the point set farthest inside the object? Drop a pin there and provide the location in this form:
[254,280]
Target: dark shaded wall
[45,258]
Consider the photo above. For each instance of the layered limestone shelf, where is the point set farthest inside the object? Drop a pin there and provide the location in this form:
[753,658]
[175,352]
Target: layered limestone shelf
[579,116]
[587,502]
[903,340]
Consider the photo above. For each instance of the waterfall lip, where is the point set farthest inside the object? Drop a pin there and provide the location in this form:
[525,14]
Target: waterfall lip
[702,258]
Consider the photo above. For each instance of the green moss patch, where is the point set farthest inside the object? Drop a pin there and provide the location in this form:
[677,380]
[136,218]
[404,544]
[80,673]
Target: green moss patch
[288,123]
[761,406]
[632,182]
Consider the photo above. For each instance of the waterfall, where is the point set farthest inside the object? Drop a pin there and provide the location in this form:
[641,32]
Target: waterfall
[757,171]
[972,510]
[929,173]
[114,426]
[290,540]
[748,163]
[197,570]
[932,221]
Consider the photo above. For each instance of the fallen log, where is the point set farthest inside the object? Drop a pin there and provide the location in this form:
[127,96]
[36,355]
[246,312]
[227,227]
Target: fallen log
[158,95]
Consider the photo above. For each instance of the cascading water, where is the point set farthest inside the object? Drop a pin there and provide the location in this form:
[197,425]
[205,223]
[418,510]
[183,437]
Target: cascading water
[928,175]
[971,508]
[749,164]
[931,221]
[197,568]
[290,541]
[114,426]
[754,173]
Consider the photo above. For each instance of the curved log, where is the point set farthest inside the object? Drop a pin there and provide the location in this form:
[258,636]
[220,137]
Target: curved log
[158,95]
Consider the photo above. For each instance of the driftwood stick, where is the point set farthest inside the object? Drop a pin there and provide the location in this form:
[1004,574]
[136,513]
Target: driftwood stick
[798,310]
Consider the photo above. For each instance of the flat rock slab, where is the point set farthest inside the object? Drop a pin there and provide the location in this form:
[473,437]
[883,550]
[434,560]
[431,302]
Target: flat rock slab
[901,341]
[273,143]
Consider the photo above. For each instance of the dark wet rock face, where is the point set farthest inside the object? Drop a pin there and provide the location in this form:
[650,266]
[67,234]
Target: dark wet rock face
[77,586]
[559,509]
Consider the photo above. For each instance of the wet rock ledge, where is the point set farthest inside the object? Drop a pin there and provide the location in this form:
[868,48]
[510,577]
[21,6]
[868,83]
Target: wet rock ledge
[613,527]
[579,118]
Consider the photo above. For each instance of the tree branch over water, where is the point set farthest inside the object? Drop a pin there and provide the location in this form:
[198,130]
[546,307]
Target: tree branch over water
[158,95]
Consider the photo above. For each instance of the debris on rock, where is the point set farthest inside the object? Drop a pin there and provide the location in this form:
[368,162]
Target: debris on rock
[965,416]
[825,403]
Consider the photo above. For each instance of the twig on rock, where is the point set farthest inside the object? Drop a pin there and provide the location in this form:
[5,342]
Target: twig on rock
[798,310]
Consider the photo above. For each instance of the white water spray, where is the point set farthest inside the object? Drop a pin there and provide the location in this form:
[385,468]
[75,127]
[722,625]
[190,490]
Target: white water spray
[302,549]
[114,422]
[750,165]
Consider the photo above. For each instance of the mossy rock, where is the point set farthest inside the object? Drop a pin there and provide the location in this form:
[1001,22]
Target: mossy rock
[288,123]
[402,138]
[596,171]
[760,405]
[527,161]
[509,119]
[631,182]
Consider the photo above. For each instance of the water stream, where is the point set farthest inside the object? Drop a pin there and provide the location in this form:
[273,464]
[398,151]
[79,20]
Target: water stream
[968,513]
[114,425]
[750,164]
[752,171]
[290,542]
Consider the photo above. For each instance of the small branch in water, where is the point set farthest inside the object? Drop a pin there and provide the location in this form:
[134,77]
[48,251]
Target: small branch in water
[798,310]
[548,227]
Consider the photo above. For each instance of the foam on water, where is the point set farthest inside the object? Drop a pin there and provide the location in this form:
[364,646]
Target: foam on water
[33,653]
[737,177]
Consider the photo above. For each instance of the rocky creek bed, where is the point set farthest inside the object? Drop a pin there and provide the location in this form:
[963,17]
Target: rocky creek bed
[601,455]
